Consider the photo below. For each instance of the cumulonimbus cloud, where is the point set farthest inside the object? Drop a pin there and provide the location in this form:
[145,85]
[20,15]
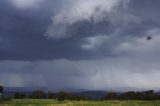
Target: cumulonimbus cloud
[88,10]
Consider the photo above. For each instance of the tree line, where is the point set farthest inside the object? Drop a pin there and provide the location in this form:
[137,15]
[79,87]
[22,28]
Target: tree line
[132,95]
[62,95]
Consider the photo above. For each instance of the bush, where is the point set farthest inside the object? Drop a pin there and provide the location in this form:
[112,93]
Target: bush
[61,96]
[19,96]
[111,96]
[52,95]
[38,95]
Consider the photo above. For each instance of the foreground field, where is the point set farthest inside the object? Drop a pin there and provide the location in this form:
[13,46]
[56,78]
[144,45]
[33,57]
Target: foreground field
[37,102]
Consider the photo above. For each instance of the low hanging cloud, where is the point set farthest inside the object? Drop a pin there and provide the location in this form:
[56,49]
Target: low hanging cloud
[22,80]
[141,46]
[111,11]
[92,43]
[24,4]
[117,73]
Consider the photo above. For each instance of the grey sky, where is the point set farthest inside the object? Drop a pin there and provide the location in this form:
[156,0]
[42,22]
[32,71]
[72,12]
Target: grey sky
[80,44]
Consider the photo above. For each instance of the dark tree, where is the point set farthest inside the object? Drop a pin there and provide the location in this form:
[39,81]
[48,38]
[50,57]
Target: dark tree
[19,96]
[1,90]
[131,95]
[150,95]
[71,97]
[139,95]
[144,95]
[111,96]
[61,96]
[52,95]
[38,95]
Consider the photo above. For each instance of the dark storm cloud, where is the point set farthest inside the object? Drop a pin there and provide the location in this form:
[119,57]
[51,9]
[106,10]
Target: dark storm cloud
[22,34]
[24,25]
[80,43]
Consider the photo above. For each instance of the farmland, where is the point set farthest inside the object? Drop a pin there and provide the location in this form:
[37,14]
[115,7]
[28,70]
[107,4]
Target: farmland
[49,102]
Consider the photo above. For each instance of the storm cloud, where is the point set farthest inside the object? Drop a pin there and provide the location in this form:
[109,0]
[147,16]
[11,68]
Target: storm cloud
[80,44]
[104,74]
[94,12]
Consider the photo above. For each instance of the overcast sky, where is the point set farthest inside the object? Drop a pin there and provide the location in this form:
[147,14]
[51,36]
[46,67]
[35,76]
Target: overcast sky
[80,44]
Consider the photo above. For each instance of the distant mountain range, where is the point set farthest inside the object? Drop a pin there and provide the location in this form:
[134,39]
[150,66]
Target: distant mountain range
[31,89]
[24,89]
[10,91]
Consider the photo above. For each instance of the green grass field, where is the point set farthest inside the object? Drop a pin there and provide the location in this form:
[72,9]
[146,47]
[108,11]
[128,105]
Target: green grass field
[37,102]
